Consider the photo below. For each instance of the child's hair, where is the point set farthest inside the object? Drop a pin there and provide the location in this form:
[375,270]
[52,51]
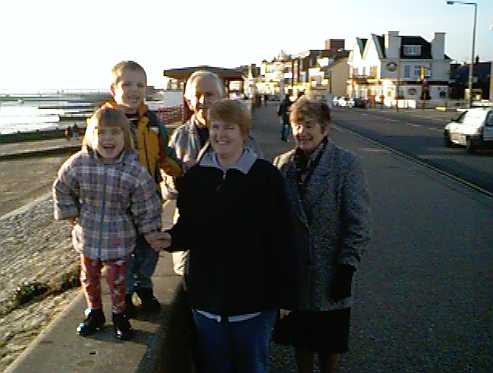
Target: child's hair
[107,116]
[189,92]
[231,111]
[307,108]
[117,70]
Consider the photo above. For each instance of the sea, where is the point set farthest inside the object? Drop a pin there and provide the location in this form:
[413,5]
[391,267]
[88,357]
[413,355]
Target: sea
[25,113]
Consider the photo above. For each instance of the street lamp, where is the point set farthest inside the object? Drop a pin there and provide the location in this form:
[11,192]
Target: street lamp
[473,43]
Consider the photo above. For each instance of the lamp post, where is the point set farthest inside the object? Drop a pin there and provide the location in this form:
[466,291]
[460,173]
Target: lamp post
[473,43]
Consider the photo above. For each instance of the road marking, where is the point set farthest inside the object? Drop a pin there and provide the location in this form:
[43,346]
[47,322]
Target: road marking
[418,161]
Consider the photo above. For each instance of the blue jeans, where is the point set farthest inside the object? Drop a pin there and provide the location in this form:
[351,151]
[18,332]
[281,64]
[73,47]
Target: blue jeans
[285,131]
[141,266]
[234,347]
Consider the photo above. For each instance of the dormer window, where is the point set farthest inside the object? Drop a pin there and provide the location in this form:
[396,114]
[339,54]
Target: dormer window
[412,50]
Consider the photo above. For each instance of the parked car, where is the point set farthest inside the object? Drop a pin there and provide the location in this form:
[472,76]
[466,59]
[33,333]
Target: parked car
[346,102]
[473,128]
[360,102]
[335,100]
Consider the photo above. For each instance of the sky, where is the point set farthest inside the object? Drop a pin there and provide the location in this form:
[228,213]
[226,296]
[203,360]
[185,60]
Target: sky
[72,44]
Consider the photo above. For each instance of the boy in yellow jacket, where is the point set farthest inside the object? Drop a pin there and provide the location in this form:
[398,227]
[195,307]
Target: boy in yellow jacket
[150,137]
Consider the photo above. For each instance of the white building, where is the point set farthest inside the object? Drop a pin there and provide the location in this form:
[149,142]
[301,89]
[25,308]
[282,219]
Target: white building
[390,66]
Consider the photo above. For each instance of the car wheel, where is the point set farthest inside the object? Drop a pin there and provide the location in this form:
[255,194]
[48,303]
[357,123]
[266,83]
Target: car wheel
[470,146]
[446,140]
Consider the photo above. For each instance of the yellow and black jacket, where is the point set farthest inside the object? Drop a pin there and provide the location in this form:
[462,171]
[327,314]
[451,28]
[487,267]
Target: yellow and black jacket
[152,145]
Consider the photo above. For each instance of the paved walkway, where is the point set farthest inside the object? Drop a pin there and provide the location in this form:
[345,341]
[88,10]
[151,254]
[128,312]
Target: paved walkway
[34,148]
[419,308]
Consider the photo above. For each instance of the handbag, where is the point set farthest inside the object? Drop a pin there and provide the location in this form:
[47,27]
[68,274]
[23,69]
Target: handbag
[286,330]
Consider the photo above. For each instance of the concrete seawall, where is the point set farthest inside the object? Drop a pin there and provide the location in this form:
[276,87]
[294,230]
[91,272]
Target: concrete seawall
[59,349]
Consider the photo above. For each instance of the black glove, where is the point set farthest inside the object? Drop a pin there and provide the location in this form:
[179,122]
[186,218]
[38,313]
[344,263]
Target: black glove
[341,286]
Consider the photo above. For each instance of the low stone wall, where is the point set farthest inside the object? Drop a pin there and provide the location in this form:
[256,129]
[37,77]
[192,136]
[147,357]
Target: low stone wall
[33,249]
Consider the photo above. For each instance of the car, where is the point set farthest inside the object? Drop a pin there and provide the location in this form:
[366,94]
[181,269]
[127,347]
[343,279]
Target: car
[335,100]
[473,128]
[360,102]
[346,102]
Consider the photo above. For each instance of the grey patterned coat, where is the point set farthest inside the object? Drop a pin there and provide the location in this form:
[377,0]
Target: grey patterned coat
[332,226]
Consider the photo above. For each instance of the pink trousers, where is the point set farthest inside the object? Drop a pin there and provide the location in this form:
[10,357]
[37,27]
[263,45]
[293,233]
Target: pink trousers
[90,278]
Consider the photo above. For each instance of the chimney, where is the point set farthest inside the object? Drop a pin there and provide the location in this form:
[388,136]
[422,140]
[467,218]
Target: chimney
[392,44]
[334,44]
[438,46]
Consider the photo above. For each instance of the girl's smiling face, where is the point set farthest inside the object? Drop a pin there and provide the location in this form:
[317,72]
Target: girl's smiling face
[109,141]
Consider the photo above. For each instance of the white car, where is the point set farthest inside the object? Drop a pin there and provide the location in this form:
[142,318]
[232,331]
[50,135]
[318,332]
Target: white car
[346,102]
[473,128]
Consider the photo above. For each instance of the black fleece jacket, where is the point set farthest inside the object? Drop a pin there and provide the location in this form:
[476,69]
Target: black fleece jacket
[237,228]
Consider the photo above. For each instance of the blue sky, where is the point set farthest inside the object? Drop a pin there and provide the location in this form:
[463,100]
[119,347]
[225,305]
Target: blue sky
[73,44]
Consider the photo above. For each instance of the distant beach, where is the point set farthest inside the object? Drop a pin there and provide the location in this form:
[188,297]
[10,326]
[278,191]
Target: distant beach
[25,113]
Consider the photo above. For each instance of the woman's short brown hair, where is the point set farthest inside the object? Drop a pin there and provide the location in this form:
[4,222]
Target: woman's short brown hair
[307,108]
[107,116]
[231,111]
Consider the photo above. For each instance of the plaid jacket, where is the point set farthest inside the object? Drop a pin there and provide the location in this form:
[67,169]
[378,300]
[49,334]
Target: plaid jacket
[110,200]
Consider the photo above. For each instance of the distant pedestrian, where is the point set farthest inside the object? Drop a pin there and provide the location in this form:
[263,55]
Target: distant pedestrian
[283,113]
[329,195]
[68,133]
[108,198]
[75,131]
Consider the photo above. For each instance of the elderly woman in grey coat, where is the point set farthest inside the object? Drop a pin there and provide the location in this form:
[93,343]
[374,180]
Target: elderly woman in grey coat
[330,200]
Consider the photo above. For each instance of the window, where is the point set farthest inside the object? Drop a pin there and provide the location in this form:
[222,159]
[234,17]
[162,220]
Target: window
[407,71]
[373,71]
[460,118]
[411,91]
[426,72]
[411,50]
[489,119]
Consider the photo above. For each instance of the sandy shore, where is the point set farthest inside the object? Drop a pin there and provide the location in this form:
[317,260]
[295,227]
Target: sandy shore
[23,180]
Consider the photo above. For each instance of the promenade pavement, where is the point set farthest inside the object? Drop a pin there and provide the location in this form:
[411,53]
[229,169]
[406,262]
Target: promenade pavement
[419,307]
[36,148]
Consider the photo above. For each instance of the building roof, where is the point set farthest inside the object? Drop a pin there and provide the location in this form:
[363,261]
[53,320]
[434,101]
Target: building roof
[184,72]
[481,70]
[410,40]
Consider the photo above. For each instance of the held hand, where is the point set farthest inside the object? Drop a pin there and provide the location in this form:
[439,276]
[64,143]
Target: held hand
[283,313]
[158,240]
[189,164]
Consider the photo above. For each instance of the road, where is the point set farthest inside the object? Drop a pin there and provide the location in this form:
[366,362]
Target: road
[425,286]
[420,135]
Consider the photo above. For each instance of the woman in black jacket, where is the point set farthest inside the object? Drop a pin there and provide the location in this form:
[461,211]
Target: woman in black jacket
[235,220]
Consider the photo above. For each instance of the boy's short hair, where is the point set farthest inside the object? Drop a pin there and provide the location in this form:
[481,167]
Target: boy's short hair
[107,116]
[117,70]
[307,108]
[231,111]
[189,94]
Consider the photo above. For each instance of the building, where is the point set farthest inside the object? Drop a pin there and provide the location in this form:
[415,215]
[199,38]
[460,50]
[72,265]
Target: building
[459,80]
[385,68]
[175,78]
[304,71]
[338,76]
